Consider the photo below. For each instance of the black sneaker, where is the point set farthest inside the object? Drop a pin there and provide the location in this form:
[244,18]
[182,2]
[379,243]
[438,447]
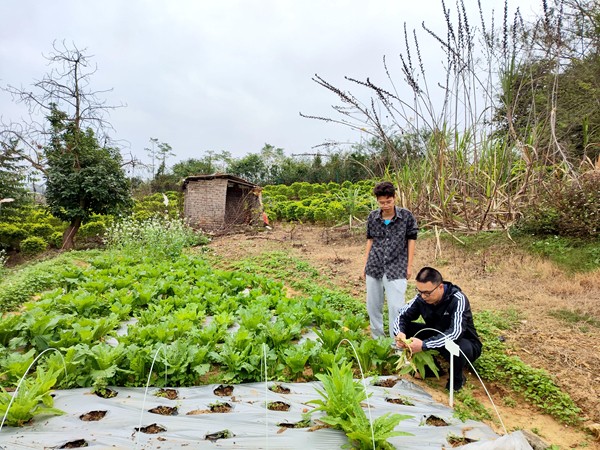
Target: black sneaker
[457,385]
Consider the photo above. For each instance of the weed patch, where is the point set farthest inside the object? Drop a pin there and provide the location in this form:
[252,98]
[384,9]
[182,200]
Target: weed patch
[20,285]
[535,385]
[301,276]
[575,318]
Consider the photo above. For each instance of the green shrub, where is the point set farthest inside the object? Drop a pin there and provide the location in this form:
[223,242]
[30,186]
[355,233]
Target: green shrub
[291,210]
[280,209]
[272,214]
[301,212]
[333,187]
[55,241]
[319,189]
[567,208]
[337,211]
[92,229]
[309,214]
[154,205]
[288,192]
[280,198]
[305,192]
[11,235]
[43,230]
[33,245]
[322,215]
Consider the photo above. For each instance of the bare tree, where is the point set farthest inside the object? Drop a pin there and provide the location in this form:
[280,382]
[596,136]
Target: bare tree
[67,87]
[65,139]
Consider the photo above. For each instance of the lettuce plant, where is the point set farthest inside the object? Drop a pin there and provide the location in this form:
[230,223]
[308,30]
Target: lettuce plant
[297,356]
[33,398]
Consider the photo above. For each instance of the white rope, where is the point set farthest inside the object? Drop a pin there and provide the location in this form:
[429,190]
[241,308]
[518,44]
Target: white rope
[162,347]
[364,387]
[478,377]
[12,399]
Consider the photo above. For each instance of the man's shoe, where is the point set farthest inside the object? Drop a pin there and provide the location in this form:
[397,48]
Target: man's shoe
[457,385]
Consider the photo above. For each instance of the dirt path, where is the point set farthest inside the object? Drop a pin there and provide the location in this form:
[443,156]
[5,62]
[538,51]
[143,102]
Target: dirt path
[497,281]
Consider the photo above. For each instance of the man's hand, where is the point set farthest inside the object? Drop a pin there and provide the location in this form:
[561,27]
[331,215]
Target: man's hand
[408,272]
[416,345]
[400,340]
[363,274]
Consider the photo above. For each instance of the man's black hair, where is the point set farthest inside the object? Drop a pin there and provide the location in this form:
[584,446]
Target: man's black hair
[429,275]
[384,189]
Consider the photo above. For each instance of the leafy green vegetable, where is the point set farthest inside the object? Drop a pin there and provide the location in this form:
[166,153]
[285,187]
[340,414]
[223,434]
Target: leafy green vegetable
[32,399]
[341,403]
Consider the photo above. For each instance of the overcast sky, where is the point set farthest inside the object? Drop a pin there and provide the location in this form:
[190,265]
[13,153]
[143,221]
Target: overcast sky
[219,75]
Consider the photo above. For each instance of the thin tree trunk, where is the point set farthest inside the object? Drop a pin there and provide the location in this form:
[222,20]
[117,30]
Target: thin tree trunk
[69,234]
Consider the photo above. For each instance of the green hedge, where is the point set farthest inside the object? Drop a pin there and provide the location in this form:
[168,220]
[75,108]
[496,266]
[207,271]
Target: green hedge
[33,245]
[327,204]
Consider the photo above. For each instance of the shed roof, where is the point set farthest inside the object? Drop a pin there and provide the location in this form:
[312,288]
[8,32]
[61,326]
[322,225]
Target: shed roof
[214,176]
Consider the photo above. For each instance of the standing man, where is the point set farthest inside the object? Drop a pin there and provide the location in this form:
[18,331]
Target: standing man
[446,309]
[391,238]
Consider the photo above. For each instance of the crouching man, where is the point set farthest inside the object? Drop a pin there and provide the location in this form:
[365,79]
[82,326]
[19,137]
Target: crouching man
[446,309]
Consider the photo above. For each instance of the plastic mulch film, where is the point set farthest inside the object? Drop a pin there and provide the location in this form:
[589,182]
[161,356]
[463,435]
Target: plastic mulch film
[235,417]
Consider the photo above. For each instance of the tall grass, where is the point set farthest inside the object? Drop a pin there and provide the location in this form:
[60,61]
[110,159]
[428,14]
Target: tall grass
[449,189]
[474,170]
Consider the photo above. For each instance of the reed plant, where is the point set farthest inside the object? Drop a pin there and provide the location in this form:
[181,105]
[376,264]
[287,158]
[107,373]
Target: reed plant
[475,161]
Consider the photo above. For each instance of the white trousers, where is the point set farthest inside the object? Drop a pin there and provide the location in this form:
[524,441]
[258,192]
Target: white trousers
[394,294]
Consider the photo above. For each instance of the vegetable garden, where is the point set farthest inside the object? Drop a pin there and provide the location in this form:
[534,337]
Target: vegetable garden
[146,312]
[130,321]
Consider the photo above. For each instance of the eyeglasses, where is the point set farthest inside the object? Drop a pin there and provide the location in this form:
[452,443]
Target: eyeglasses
[427,293]
[387,202]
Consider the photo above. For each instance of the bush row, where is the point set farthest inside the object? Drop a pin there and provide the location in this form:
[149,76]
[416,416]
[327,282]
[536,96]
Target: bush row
[319,203]
[34,229]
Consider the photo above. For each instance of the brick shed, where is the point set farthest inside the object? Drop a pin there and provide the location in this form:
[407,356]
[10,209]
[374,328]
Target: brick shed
[218,201]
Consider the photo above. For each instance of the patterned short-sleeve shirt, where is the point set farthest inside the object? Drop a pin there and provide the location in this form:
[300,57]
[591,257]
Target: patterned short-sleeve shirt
[389,252]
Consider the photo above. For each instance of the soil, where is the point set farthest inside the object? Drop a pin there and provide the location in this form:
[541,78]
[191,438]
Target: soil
[278,388]
[75,444]
[387,382]
[197,412]
[459,441]
[278,406]
[164,410]
[151,429]
[503,278]
[225,434]
[220,408]
[435,421]
[106,393]
[93,416]
[300,424]
[171,394]
[398,401]
[223,391]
